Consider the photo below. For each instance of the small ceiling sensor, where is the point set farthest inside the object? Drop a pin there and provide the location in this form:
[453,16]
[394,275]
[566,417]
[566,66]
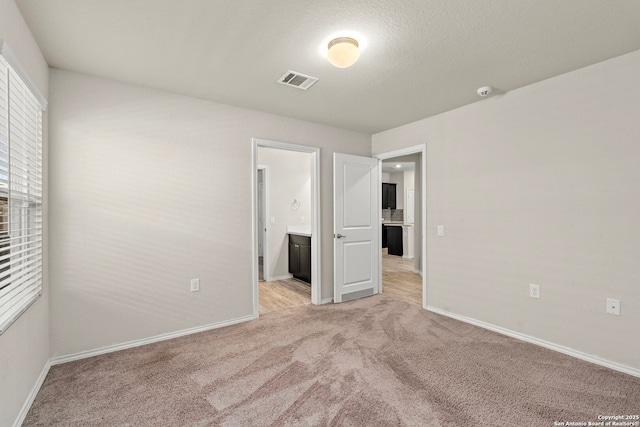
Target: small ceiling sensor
[485,91]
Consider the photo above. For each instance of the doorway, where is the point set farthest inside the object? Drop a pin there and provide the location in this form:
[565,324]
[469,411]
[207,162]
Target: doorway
[400,273]
[404,276]
[291,210]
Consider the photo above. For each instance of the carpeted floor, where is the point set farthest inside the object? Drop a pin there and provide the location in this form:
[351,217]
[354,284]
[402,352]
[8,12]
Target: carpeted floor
[370,362]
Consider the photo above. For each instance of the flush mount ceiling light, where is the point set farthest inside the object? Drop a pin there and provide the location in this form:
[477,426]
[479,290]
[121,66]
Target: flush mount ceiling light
[343,52]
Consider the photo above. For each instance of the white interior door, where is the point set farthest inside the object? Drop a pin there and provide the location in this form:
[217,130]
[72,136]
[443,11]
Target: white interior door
[356,219]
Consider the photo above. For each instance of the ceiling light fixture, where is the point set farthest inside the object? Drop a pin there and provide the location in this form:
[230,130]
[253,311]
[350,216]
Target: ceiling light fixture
[343,52]
[398,166]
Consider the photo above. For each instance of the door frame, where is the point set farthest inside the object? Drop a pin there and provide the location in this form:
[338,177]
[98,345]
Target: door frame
[315,215]
[422,150]
[265,207]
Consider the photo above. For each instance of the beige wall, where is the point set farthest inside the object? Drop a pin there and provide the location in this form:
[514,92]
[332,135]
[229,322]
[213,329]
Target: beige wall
[149,190]
[539,185]
[24,347]
[289,179]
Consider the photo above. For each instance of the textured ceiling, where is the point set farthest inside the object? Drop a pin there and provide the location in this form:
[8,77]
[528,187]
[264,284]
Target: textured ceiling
[392,167]
[418,58]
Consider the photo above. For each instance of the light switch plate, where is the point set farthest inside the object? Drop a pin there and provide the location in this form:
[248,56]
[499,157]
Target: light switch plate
[195,285]
[441,230]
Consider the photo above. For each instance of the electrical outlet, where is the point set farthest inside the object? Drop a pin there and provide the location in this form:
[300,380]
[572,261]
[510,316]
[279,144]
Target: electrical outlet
[441,230]
[195,285]
[534,290]
[613,306]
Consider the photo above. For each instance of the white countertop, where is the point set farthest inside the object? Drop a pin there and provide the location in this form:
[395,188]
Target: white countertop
[300,230]
[397,224]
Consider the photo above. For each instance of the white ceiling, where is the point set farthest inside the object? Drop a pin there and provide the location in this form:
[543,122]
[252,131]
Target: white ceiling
[418,57]
[392,167]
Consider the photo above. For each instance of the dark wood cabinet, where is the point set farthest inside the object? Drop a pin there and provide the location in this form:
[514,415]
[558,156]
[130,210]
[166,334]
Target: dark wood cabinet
[300,257]
[384,236]
[388,196]
[394,240]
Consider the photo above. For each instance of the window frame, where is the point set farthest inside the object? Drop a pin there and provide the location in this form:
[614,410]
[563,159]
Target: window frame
[21,190]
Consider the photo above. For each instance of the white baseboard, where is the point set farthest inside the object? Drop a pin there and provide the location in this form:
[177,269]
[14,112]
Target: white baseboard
[32,396]
[137,343]
[326,301]
[542,343]
[275,278]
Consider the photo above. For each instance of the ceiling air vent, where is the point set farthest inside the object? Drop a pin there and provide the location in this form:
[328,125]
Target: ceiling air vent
[295,79]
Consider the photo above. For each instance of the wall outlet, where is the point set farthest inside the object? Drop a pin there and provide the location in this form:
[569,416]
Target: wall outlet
[613,306]
[534,290]
[441,230]
[195,285]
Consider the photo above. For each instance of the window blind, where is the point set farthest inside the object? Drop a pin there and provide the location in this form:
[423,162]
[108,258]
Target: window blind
[20,196]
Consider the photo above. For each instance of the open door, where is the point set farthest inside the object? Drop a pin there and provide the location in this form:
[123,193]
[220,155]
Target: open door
[356,222]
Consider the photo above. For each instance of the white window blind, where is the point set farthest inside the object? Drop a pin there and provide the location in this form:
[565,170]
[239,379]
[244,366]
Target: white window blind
[20,196]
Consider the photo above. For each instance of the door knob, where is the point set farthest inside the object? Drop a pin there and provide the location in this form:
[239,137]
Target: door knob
[340,236]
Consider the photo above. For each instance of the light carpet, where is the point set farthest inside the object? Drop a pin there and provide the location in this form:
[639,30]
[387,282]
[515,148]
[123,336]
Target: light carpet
[370,362]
